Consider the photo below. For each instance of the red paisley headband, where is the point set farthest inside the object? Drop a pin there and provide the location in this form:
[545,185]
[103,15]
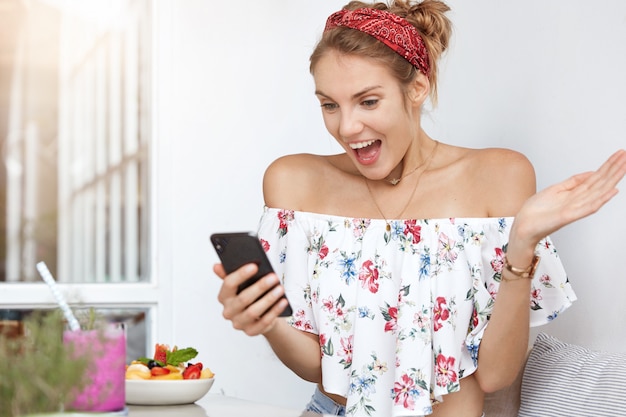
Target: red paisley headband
[391,29]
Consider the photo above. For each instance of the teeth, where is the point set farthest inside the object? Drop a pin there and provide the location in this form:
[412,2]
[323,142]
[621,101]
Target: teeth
[361,144]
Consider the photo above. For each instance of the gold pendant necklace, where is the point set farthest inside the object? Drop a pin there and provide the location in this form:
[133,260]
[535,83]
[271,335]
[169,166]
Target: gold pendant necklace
[395,181]
[367,184]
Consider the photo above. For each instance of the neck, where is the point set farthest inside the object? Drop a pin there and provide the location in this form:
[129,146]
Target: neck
[410,165]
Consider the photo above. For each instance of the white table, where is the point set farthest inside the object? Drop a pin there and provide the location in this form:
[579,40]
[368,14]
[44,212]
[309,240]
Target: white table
[217,405]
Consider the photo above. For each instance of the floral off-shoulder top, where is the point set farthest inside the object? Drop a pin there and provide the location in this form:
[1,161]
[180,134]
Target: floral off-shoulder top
[400,311]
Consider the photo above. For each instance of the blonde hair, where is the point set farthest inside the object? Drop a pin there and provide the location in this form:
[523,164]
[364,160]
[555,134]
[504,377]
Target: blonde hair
[428,17]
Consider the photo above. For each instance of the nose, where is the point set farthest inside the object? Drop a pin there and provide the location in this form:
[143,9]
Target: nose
[349,124]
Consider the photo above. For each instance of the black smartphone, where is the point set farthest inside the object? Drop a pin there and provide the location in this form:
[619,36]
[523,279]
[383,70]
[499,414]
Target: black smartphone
[240,248]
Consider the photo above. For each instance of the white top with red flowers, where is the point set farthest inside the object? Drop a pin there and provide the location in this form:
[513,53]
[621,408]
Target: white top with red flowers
[400,311]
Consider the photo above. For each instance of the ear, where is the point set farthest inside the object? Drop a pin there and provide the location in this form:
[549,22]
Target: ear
[419,89]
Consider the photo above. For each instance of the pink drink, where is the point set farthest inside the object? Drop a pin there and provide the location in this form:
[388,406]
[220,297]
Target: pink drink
[106,374]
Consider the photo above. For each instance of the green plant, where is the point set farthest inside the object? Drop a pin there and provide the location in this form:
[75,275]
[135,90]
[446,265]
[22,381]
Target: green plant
[90,318]
[38,372]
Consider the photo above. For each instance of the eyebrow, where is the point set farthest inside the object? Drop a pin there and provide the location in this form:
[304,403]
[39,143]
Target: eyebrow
[355,95]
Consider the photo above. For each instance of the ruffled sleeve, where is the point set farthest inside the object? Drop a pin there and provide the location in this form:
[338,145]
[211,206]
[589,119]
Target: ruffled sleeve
[550,295]
[278,231]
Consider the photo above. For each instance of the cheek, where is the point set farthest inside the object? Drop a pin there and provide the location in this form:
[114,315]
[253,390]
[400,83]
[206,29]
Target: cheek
[387,124]
[331,122]
[401,123]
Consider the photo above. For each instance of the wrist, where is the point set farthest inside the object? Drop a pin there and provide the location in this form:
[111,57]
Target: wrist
[520,250]
[522,237]
[274,328]
[527,232]
[520,260]
[513,273]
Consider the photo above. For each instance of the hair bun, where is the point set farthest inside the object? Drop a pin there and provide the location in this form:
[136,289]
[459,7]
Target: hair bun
[429,17]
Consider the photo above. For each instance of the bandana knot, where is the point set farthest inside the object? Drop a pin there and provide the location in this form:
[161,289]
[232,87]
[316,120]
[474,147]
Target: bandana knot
[392,30]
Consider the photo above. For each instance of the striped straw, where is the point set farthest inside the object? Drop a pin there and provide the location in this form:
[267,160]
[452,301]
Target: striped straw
[49,279]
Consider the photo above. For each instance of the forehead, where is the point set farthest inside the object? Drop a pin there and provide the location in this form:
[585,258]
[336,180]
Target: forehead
[337,73]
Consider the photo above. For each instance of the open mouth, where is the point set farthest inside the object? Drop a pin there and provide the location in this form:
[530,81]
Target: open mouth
[366,151]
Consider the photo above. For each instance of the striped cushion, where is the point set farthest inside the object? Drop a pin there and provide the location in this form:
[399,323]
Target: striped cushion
[561,379]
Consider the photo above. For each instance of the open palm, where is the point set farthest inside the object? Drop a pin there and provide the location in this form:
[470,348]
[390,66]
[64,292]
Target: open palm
[571,200]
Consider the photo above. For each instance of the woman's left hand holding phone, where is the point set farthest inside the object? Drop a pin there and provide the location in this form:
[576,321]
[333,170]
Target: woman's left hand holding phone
[245,312]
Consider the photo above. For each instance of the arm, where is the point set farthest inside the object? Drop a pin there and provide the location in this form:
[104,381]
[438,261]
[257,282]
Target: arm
[505,341]
[283,186]
[298,350]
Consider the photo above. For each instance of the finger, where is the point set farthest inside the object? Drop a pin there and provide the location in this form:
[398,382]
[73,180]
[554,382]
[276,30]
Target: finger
[617,168]
[263,310]
[266,321]
[610,172]
[241,275]
[232,281]
[590,204]
[245,306]
[589,201]
[618,157]
[603,199]
[594,189]
[266,303]
[218,269]
[575,181]
[255,297]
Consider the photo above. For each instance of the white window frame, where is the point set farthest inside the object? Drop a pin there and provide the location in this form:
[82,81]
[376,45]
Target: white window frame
[155,296]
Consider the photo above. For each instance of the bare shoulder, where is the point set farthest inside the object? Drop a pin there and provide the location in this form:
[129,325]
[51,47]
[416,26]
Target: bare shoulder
[510,165]
[286,165]
[492,182]
[507,178]
[288,181]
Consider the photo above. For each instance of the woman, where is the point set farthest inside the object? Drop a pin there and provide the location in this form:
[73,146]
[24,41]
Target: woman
[409,263]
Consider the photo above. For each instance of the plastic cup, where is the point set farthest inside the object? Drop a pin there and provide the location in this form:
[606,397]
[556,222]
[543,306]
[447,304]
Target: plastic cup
[104,389]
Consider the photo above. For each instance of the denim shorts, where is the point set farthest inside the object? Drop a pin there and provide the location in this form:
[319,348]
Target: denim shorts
[321,404]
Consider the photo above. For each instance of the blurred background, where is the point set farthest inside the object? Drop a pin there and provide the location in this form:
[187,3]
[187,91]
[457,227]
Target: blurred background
[130,130]
[74,136]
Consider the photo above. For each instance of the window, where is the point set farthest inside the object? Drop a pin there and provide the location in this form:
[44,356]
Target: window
[75,123]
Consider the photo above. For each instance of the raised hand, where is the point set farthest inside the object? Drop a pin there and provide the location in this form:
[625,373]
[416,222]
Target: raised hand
[570,200]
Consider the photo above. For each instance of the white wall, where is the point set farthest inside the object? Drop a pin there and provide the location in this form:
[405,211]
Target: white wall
[544,78]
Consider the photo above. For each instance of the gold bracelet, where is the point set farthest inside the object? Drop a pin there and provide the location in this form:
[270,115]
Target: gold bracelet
[528,272]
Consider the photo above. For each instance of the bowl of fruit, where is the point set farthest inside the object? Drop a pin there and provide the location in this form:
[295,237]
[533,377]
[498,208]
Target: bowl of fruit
[168,378]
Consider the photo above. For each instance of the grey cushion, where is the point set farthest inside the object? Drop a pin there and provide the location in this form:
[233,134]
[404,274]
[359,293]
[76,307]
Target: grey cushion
[562,379]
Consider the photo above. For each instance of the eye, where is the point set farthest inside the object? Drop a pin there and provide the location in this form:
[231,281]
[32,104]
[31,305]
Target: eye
[329,107]
[370,103]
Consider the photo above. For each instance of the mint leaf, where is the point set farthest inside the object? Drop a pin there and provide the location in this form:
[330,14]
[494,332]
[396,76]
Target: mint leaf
[181,355]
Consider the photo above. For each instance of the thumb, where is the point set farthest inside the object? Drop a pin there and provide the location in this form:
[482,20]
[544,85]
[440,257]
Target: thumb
[219,270]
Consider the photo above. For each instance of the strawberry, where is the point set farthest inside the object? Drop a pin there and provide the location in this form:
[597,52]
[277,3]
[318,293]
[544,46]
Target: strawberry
[193,371]
[157,371]
[160,353]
